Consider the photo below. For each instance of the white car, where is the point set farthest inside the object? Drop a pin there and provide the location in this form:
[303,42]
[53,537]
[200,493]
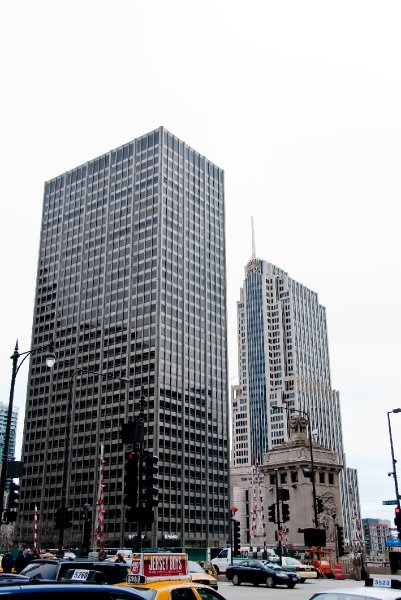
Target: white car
[295,566]
[375,588]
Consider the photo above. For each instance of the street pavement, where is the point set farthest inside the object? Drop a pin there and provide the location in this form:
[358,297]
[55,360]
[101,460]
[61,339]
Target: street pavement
[302,591]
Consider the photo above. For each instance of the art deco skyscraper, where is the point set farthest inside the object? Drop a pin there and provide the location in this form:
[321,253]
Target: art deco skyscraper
[131,282]
[283,366]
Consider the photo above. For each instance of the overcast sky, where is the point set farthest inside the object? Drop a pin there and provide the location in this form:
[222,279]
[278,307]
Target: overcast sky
[298,101]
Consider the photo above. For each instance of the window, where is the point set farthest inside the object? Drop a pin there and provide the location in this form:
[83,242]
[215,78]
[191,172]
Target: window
[294,476]
[206,594]
[331,478]
[184,594]
[322,477]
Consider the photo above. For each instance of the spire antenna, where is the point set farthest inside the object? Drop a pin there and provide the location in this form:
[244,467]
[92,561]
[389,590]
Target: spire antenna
[253,240]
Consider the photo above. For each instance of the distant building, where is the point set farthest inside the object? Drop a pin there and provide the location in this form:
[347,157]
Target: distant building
[376,532]
[13,430]
[284,370]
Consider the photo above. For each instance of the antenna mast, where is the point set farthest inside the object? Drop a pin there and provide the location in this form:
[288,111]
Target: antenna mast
[253,241]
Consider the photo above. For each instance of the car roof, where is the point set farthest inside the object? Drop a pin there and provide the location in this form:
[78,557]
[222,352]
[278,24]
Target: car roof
[166,585]
[55,587]
[373,592]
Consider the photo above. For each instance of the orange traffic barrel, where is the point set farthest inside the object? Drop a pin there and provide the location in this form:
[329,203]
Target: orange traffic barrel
[338,572]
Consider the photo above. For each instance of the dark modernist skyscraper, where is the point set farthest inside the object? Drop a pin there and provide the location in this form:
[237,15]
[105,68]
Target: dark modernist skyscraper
[131,282]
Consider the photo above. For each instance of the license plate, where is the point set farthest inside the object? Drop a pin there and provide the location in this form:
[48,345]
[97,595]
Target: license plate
[135,578]
[79,574]
[381,582]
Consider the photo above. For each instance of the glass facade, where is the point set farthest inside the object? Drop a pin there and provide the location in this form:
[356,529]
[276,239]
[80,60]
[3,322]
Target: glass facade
[283,357]
[131,282]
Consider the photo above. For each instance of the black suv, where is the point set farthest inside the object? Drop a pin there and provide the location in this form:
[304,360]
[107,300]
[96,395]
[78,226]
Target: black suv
[48,568]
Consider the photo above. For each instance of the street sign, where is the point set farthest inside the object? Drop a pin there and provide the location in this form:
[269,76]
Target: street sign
[389,502]
[393,543]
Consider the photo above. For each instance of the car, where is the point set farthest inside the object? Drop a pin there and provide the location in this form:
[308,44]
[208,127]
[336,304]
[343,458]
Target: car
[175,590]
[224,558]
[375,588]
[70,591]
[293,565]
[165,576]
[198,575]
[260,571]
[54,568]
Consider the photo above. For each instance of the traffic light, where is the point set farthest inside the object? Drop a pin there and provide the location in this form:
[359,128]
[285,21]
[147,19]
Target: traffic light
[58,519]
[13,496]
[131,479]
[285,512]
[67,518]
[397,519]
[236,537]
[150,491]
[283,494]
[340,540]
[272,513]
[319,504]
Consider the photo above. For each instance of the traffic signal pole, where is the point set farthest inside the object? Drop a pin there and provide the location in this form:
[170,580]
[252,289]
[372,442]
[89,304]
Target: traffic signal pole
[394,473]
[279,540]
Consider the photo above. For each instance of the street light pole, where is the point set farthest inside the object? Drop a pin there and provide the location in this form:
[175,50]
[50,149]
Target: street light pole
[311,464]
[64,495]
[50,360]
[311,454]
[394,473]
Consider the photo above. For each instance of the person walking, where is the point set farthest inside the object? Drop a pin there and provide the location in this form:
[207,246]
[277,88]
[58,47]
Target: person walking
[7,563]
[20,562]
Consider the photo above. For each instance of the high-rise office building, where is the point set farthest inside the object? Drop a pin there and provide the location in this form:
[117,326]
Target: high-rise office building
[13,430]
[283,368]
[131,283]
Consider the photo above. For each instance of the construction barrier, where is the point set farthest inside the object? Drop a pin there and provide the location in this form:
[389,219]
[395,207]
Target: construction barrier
[338,572]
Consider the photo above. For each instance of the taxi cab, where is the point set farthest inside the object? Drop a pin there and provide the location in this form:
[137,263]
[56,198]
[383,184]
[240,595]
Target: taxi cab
[375,588]
[165,576]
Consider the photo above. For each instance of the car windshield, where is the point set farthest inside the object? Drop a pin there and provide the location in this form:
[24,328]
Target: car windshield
[271,565]
[292,561]
[40,570]
[193,567]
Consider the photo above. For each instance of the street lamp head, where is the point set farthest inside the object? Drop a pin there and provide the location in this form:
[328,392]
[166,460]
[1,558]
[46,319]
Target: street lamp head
[396,410]
[50,359]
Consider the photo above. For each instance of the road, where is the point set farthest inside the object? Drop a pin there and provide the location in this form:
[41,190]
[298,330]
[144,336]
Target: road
[302,591]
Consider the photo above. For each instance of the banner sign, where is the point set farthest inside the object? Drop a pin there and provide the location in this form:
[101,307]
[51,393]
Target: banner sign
[158,565]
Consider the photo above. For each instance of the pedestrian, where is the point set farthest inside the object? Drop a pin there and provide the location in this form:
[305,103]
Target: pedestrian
[7,563]
[20,562]
[119,558]
[102,554]
[28,556]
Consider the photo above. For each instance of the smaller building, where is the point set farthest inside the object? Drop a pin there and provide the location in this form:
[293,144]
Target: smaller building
[376,532]
[288,467]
